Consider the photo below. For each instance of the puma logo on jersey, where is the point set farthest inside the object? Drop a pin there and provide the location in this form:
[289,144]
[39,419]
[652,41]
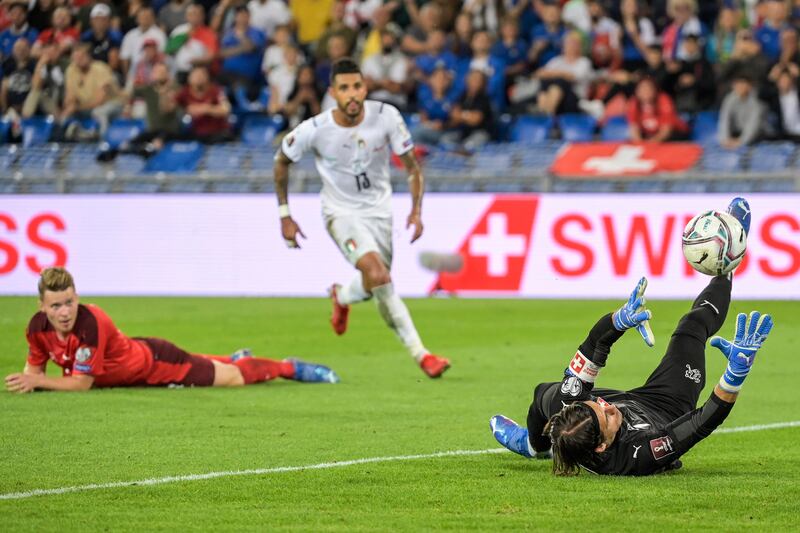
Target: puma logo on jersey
[714,307]
[635,451]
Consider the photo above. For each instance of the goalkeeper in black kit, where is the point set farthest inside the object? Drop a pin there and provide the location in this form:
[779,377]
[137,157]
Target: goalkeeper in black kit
[647,429]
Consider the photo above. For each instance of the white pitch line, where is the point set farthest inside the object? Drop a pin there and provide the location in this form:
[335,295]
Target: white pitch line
[318,466]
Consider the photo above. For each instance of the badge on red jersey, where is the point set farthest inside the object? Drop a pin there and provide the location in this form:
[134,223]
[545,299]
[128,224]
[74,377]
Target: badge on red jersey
[83,354]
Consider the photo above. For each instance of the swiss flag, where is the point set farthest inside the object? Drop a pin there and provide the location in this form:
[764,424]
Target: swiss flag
[620,159]
[496,249]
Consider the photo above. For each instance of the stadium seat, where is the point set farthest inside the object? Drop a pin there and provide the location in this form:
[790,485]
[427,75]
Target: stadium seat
[91,187]
[37,130]
[615,129]
[225,159]
[232,186]
[176,157]
[44,187]
[771,157]
[8,156]
[87,125]
[531,129]
[494,163]
[186,186]
[39,161]
[81,162]
[128,165]
[503,126]
[123,130]
[243,104]
[140,187]
[504,186]
[261,130]
[577,127]
[704,129]
[719,160]
[8,186]
[5,129]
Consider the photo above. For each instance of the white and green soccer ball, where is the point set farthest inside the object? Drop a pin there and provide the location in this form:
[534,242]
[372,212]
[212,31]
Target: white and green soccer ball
[714,243]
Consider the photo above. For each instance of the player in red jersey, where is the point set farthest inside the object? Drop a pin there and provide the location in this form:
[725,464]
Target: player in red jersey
[85,343]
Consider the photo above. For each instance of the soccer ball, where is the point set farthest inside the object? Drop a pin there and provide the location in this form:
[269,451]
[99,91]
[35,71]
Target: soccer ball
[714,243]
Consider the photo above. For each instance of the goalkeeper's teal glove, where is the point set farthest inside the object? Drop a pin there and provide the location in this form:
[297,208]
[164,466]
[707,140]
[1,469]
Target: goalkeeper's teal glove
[741,353]
[634,315]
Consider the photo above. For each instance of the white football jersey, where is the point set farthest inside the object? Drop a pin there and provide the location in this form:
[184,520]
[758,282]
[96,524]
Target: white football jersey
[353,162]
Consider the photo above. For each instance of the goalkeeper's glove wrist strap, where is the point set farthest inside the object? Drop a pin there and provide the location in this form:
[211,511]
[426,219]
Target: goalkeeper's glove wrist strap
[731,381]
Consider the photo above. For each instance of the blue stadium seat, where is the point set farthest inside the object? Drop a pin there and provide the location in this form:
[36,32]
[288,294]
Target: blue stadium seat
[8,186]
[577,127]
[719,160]
[496,163]
[128,165]
[82,162]
[86,124]
[690,186]
[503,126]
[39,161]
[262,161]
[176,157]
[5,129]
[122,130]
[616,129]
[505,186]
[584,186]
[37,130]
[91,187]
[243,104]
[261,130]
[43,187]
[771,157]
[232,186]
[184,187]
[531,129]
[140,187]
[8,156]
[704,129]
[225,159]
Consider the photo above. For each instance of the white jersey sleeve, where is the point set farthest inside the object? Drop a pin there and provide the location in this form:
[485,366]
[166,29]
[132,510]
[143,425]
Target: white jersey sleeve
[397,131]
[299,140]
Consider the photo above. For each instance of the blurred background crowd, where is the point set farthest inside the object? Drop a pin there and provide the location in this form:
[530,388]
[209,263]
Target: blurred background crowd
[460,70]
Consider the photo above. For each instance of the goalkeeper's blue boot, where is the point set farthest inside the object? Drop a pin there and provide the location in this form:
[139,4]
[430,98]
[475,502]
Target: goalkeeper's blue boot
[740,210]
[511,435]
[312,373]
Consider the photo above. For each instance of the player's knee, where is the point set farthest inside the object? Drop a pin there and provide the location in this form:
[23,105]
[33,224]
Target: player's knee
[227,375]
[374,271]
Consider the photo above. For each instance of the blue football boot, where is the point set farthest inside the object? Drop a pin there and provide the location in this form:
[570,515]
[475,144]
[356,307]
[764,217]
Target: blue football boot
[740,210]
[511,435]
[313,373]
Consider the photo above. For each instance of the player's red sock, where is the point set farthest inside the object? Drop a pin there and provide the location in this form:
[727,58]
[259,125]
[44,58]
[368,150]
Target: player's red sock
[256,370]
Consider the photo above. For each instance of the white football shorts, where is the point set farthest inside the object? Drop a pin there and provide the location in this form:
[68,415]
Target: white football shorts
[356,236]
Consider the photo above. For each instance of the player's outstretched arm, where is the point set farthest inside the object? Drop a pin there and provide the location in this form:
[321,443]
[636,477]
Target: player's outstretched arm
[289,228]
[416,185]
[634,314]
[23,383]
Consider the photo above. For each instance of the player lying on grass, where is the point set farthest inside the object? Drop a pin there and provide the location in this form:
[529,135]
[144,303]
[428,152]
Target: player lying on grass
[647,429]
[84,341]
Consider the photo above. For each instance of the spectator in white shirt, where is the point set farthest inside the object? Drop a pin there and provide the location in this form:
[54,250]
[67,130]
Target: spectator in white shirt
[266,15]
[131,49]
[387,72]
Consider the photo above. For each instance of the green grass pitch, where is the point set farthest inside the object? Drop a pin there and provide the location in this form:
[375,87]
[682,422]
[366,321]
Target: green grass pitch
[384,407]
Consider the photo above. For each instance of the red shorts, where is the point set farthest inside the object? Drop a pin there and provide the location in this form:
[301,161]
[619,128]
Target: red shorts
[172,365]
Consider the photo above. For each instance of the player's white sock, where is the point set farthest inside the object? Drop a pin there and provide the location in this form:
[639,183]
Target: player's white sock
[353,292]
[396,315]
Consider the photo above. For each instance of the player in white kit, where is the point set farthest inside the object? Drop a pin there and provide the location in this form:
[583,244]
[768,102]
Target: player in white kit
[351,144]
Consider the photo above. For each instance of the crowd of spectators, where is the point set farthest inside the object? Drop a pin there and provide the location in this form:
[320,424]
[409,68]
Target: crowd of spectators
[186,66]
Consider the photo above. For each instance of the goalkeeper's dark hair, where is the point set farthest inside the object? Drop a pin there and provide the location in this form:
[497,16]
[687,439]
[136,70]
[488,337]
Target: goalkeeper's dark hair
[344,65]
[574,436]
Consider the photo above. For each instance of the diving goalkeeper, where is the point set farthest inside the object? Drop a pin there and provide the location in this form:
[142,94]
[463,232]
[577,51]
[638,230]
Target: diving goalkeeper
[647,429]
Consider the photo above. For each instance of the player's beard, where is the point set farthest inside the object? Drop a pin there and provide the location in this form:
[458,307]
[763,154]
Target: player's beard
[353,104]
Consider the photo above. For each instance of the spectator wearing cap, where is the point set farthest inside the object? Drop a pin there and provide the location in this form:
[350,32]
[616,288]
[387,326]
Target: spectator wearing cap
[652,116]
[150,58]
[768,34]
[638,34]
[91,89]
[387,72]
[684,21]
[173,14]
[206,104]
[241,50]
[266,15]
[742,116]
[435,98]
[721,43]
[19,29]
[131,50]
[63,34]
[565,78]
[192,44]
[547,37]
[83,16]
[472,115]
[16,82]
[102,38]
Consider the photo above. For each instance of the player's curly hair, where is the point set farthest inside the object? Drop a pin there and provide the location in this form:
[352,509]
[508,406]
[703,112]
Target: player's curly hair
[55,279]
[574,437]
